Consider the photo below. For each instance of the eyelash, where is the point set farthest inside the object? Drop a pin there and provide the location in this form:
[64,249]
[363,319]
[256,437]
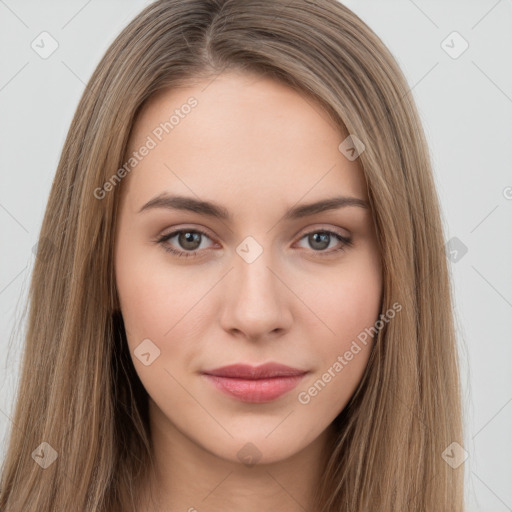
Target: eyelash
[345,242]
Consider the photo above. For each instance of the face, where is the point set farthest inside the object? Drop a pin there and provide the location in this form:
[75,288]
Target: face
[255,277]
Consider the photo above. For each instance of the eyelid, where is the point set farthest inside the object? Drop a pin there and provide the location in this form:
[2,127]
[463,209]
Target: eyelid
[305,231]
[346,241]
[320,227]
[178,229]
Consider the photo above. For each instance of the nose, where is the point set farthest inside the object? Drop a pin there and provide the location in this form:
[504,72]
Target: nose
[257,302]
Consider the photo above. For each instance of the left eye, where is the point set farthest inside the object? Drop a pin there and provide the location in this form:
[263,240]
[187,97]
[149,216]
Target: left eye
[321,240]
[190,241]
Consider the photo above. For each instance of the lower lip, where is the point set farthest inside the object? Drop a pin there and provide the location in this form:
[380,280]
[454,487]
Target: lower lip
[255,390]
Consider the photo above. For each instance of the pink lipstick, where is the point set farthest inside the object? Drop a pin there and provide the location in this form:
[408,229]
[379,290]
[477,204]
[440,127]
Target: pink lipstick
[255,384]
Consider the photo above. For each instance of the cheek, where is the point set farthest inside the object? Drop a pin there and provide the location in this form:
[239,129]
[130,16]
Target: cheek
[155,297]
[349,299]
[350,307]
[162,303]
[157,304]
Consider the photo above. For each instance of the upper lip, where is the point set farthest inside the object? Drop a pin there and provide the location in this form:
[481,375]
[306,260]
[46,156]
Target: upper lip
[245,371]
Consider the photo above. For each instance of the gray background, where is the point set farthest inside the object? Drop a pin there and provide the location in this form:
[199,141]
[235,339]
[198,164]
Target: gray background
[465,104]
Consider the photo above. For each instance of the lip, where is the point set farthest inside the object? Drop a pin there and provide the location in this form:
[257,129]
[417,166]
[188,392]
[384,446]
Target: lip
[255,384]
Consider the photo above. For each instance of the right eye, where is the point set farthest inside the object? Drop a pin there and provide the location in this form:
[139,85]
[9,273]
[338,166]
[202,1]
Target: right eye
[188,239]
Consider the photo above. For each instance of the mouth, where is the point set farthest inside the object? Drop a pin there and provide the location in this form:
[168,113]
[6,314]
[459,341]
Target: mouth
[258,384]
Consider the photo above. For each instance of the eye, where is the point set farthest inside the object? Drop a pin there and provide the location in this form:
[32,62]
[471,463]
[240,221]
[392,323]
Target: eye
[190,241]
[321,239]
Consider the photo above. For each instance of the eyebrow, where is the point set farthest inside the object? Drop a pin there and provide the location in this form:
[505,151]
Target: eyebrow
[214,210]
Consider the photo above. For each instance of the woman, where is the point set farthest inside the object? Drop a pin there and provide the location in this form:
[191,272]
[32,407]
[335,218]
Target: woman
[241,298]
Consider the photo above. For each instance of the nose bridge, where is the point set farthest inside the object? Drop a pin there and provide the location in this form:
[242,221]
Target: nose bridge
[256,297]
[255,280]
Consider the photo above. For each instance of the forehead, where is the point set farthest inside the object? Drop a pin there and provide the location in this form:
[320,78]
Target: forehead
[245,134]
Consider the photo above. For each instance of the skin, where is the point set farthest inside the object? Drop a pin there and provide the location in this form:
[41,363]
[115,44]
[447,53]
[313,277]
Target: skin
[257,148]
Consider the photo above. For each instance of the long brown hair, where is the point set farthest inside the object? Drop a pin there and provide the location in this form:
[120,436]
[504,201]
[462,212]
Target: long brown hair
[79,391]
